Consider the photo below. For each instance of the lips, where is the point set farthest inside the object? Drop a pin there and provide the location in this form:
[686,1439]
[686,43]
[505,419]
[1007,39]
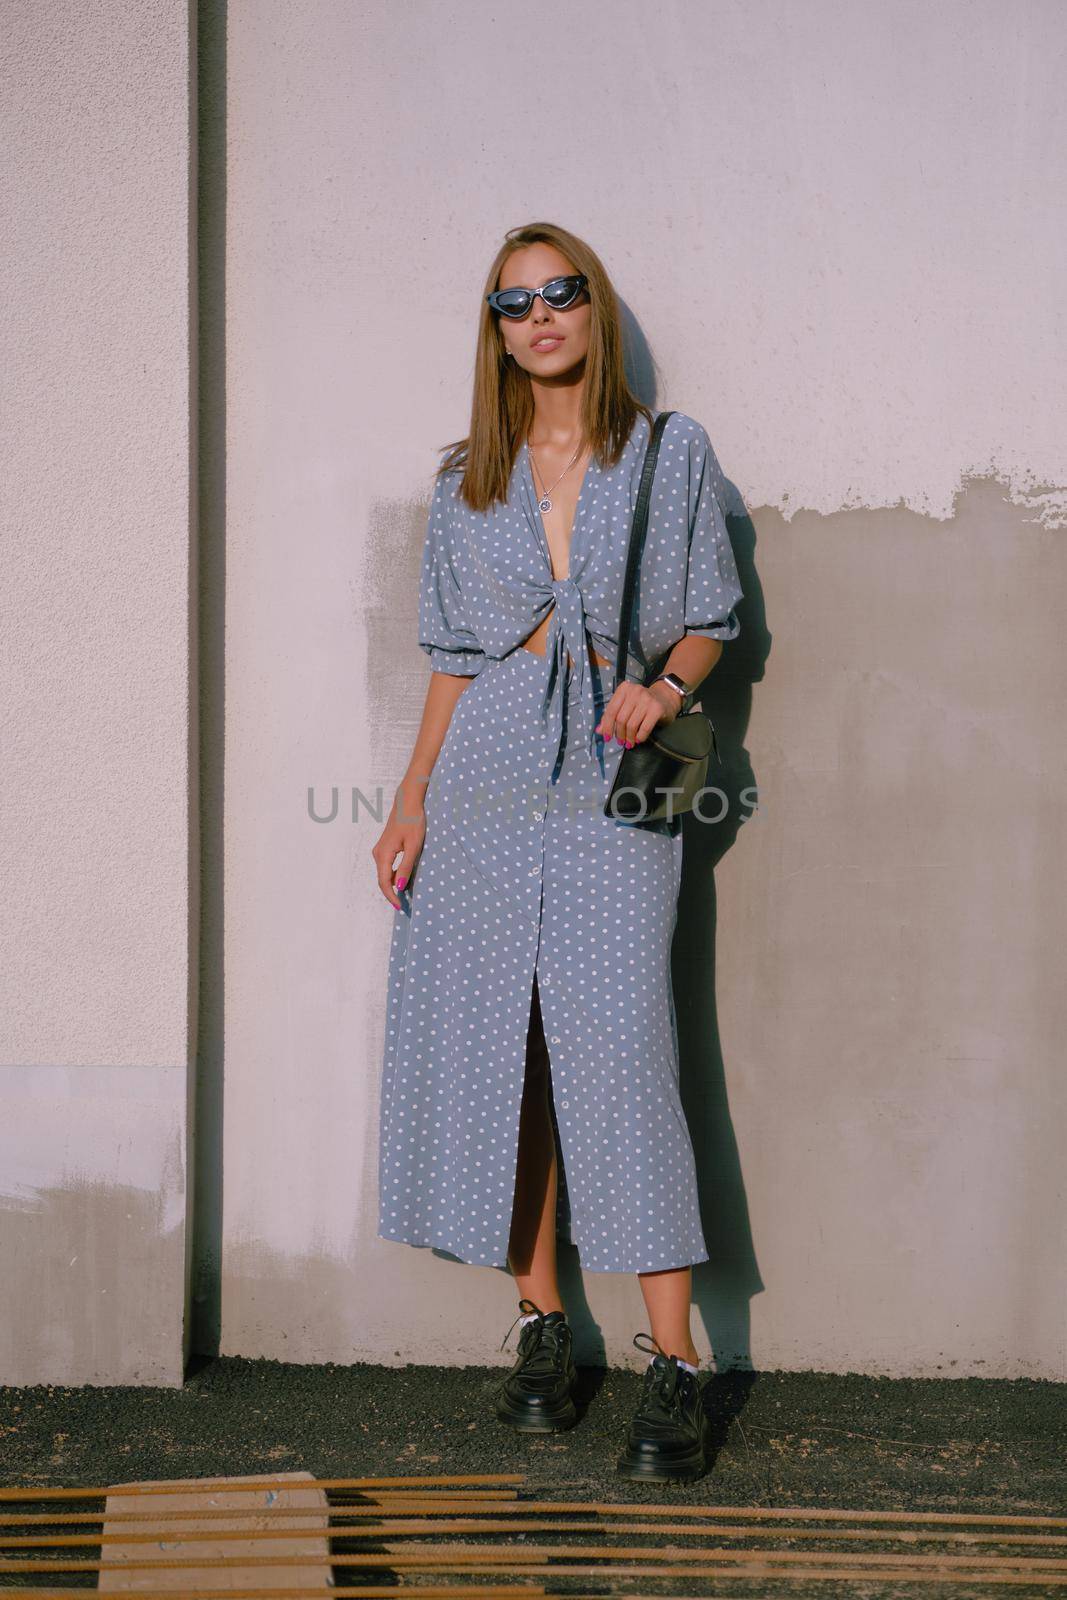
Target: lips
[553,340]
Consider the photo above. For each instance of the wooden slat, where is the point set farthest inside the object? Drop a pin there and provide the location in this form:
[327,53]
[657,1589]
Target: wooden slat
[456,1557]
[427,1591]
[702,1520]
[613,1573]
[518,1555]
[600,1507]
[421,1505]
[623,1508]
[417,1527]
[252,1485]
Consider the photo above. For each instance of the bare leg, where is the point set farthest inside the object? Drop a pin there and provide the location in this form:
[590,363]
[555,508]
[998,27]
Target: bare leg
[532,1245]
[668,1296]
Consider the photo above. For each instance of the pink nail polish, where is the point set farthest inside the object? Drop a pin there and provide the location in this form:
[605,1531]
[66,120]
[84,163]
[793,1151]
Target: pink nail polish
[629,744]
[400,882]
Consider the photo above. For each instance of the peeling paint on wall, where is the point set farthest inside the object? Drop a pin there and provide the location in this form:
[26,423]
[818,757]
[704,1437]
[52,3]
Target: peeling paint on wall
[1047,501]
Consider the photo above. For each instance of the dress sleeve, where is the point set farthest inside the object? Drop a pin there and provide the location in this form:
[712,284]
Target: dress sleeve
[445,632]
[712,588]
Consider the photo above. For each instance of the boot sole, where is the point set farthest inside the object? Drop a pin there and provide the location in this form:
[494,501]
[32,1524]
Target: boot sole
[646,1466]
[646,1469]
[537,1420]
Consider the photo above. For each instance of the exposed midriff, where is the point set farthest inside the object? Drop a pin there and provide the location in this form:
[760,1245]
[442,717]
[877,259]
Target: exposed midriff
[537,643]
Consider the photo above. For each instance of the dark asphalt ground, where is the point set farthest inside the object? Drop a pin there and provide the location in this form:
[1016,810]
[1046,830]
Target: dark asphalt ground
[781,1439]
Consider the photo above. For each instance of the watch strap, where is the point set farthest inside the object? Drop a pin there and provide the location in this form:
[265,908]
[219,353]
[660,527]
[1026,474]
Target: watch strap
[685,695]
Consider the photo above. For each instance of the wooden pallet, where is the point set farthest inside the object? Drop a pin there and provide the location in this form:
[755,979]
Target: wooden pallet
[277,1536]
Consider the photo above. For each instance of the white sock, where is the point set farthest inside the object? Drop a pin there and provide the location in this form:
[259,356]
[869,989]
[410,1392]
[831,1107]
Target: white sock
[531,1316]
[688,1365]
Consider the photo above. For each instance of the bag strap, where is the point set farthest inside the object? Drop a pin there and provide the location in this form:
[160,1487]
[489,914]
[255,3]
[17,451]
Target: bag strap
[637,538]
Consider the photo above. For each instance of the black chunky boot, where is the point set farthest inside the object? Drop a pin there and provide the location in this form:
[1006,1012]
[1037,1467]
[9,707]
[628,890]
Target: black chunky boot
[536,1396]
[669,1436]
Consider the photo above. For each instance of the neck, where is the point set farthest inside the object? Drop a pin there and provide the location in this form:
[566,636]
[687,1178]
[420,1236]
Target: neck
[557,411]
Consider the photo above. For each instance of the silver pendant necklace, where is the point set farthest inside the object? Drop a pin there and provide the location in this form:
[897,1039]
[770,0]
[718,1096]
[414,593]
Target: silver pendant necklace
[545,502]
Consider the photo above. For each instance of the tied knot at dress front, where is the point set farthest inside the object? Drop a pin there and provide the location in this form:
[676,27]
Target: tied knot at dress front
[522,876]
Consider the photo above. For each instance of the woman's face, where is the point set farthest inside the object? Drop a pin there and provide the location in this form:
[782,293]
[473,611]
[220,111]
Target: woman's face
[545,343]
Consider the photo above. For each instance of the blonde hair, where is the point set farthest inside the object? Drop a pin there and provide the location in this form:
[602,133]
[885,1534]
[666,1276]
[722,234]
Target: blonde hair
[502,404]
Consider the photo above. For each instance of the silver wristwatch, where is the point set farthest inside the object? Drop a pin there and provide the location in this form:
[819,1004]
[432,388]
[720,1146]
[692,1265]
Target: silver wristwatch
[683,691]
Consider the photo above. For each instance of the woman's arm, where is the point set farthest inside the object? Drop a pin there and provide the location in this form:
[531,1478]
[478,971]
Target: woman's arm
[633,711]
[405,828]
[442,696]
[692,659]
[447,636]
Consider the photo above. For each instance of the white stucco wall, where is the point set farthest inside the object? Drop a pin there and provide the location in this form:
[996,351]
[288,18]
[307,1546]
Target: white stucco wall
[95,631]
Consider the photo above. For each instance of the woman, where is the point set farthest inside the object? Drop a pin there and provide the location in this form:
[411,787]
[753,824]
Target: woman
[530,1077]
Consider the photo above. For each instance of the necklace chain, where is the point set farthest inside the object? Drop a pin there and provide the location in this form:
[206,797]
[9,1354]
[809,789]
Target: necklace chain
[545,502]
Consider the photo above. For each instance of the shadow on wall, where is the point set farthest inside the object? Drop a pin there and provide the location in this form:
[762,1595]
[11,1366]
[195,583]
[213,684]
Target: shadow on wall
[205,1113]
[724,1285]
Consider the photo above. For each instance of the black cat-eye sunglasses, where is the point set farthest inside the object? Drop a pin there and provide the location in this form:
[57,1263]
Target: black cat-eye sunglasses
[558,293]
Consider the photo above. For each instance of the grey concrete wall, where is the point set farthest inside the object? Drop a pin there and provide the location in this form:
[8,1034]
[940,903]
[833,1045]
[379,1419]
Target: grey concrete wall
[836,234]
[96,828]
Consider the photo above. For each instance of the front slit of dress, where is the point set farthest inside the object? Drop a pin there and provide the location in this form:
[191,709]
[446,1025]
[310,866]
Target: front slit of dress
[562,1206]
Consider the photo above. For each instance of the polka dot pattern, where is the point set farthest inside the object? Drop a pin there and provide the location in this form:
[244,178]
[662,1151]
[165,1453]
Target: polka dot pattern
[521,875]
[486,580]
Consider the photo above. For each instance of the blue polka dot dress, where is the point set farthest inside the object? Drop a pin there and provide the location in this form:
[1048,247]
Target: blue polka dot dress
[521,875]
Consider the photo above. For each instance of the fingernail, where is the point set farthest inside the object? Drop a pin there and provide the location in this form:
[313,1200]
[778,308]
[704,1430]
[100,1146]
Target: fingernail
[629,744]
[400,882]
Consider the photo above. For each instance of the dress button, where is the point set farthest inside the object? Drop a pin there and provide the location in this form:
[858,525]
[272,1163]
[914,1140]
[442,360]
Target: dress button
[554,1039]
[539,816]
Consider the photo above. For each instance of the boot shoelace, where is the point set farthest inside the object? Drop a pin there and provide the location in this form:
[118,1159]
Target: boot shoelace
[662,1381]
[537,1343]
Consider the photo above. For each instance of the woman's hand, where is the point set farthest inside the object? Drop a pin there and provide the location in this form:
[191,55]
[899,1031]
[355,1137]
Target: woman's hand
[633,711]
[402,835]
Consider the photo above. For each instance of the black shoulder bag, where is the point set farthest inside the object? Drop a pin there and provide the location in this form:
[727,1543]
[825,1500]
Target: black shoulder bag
[660,775]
